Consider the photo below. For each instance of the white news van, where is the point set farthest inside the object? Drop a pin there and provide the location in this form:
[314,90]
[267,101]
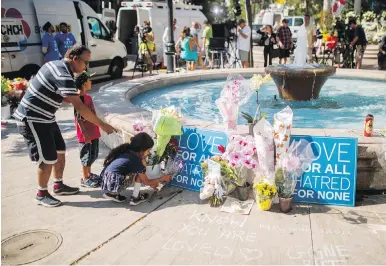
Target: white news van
[21,32]
[135,13]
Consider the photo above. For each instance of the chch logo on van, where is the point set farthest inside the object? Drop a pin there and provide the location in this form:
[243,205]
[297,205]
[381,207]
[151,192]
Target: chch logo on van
[5,38]
[14,13]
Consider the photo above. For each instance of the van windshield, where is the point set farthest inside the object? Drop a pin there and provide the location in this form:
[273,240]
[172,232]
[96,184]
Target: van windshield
[298,21]
[256,27]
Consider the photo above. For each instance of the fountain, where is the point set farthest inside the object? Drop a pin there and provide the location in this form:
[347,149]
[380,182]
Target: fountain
[300,81]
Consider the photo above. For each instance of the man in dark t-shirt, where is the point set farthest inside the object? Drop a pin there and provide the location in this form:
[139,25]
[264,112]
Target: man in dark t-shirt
[359,41]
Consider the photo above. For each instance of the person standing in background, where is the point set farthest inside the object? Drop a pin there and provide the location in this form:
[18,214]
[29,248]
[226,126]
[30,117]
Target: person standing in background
[166,39]
[244,42]
[359,41]
[148,47]
[382,52]
[49,46]
[64,39]
[284,38]
[311,36]
[268,39]
[194,32]
[206,36]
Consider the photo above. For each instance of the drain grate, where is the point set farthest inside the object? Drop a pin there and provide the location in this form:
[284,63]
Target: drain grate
[29,246]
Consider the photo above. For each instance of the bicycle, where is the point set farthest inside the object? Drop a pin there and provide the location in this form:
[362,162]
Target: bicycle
[348,57]
[327,56]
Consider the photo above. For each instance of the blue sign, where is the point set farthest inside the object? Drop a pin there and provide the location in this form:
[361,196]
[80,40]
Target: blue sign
[331,178]
[196,146]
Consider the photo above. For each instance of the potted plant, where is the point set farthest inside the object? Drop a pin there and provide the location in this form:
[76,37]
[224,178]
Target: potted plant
[264,194]
[285,184]
[251,121]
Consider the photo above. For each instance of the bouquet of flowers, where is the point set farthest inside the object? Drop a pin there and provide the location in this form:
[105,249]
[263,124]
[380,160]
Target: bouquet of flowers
[167,123]
[258,80]
[141,125]
[227,174]
[213,189]
[173,167]
[232,96]
[369,16]
[170,153]
[294,162]
[263,134]
[5,89]
[282,132]
[264,192]
[12,91]
[240,155]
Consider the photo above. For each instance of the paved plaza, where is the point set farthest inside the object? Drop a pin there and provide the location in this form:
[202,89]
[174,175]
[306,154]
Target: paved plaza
[176,228]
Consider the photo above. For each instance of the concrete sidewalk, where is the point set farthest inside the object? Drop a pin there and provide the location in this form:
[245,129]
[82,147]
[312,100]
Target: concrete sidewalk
[177,229]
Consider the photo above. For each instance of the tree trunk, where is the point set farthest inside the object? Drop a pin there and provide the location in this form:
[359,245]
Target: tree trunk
[248,13]
[357,6]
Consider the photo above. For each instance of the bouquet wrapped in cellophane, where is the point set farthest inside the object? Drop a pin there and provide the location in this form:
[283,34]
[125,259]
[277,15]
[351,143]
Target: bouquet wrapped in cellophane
[282,132]
[215,185]
[232,96]
[292,165]
[263,134]
[167,123]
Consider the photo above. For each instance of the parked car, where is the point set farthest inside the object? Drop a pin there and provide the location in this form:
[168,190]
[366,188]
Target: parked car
[256,37]
[21,52]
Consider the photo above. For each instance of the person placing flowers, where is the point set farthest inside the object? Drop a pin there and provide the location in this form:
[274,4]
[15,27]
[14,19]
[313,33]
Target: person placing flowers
[125,165]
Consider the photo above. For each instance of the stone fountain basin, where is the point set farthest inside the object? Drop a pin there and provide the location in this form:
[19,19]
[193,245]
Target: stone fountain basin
[300,83]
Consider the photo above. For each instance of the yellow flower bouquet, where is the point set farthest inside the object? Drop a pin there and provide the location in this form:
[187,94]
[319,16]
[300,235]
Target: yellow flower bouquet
[264,192]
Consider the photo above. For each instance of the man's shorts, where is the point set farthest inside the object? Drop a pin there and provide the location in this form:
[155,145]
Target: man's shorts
[44,141]
[244,56]
[360,52]
[89,152]
[284,53]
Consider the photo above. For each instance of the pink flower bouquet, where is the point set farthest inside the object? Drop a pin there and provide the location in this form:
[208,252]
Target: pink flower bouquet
[232,96]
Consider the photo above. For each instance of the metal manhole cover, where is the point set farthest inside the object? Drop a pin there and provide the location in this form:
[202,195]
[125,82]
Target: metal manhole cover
[29,246]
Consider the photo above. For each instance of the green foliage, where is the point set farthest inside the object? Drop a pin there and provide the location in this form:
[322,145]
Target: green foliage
[249,118]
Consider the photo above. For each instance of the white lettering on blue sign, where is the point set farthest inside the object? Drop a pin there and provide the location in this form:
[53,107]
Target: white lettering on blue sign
[331,177]
[195,147]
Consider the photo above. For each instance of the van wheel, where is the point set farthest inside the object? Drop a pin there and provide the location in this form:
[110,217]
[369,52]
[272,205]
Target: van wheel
[116,69]
[28,71]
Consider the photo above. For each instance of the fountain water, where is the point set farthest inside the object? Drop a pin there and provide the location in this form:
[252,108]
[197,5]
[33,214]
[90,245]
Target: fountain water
[300,81]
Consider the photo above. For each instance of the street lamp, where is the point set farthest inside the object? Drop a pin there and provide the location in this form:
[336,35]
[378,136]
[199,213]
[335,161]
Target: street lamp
[170,49]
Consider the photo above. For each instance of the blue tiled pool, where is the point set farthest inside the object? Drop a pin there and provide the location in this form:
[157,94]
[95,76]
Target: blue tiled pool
[343,103]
